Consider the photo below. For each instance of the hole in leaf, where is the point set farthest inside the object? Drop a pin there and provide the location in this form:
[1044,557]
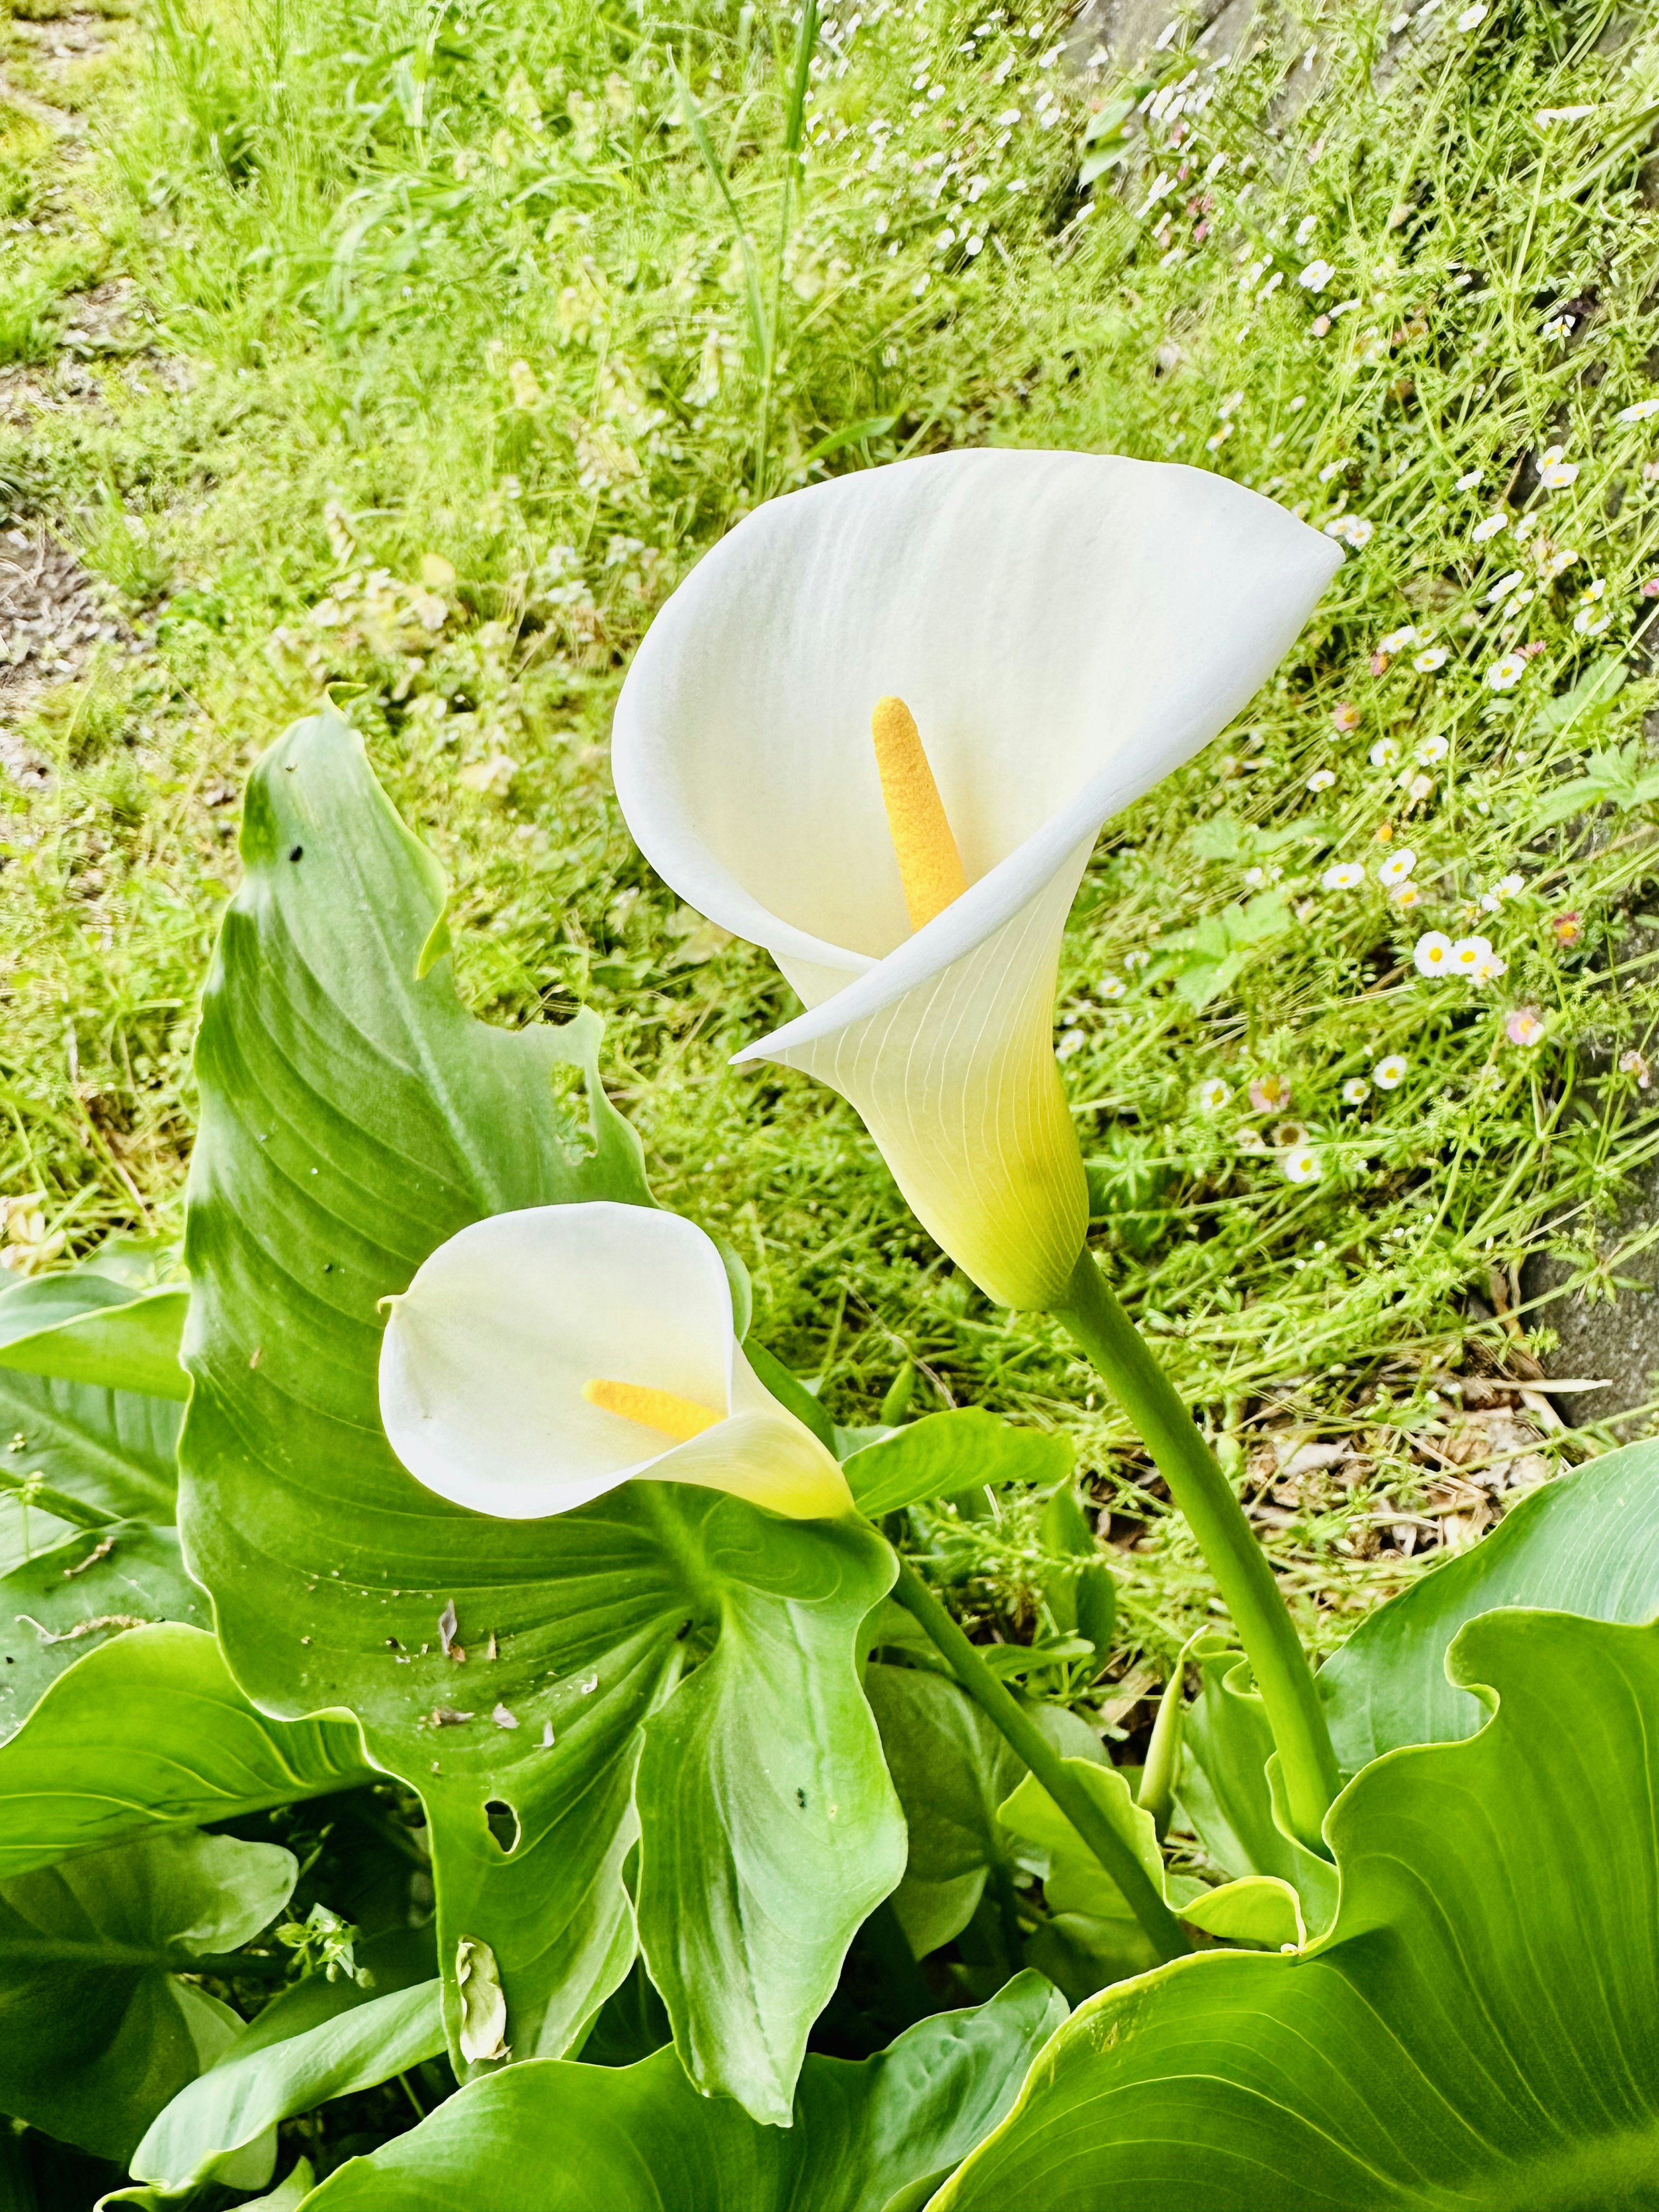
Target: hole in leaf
[503,1824]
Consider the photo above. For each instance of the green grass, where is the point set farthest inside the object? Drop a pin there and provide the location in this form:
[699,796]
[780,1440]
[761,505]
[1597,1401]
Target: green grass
[470,330]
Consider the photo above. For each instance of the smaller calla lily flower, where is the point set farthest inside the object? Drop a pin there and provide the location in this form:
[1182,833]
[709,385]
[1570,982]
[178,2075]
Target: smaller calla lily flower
[540,1358]
[877,731]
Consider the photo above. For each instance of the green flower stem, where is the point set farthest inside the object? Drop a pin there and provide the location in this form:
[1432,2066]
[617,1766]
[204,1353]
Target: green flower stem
[1007,1714]
[1225,1538]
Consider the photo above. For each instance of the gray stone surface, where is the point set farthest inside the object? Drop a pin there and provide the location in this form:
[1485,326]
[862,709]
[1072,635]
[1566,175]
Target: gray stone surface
[1616,1342]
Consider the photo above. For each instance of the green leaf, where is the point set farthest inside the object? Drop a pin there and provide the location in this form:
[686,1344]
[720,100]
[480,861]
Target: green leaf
[87,1326]
[320,2040]
[354,1117]
[96,2033]
[1601,683]
[944,1453]
[1476,2028]
[116,1450]
[1229,1784]
[555,2137]
[149,1731]
[1092,1938]
[65,1602]
[1587,1542]
[952,1771]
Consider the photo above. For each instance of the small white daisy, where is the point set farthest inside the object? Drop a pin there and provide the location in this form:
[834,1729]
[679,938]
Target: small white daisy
[1642,411]
[1469,482]
[1473,17]
[1301,1165]
[1322,780]
[1433,954]
[1419,786]
[1385,752]
[1507,887]
[1489,528]
[1138,958]
[1504,586]
[1316,275]
[1432,748]
[1213,1096]
[1405,895]
[1588,623]
[1489,966]
[1355,1090]
[1555,472]
[1072,1041]
[1111,987]
[1558,326]
[1426,662]
[1469,955]
[1346,875]
[1397,867]
[1390,1072]
[1504,675]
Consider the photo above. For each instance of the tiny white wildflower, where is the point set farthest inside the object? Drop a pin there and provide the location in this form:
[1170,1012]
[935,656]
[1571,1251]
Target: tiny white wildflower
[1255,877]
[1642,411]
[1558,326]
[1468,954]
[1433,953]
[1322,779]
[1504,675]
[1390,1072]
[1301,1165]
[1490,527]
[1489,966]
[1397,867]
[1305,229]
[1355,1090]
[1138,958]
[1419,786]
[1213,1095]
[1472,17]
[1433,657]
[1406,895]
[1469,482]
[1432,748]
[1352,530]
[1385,752]
[1111,987]
[1587,624]
[1072,1041]
[1398,640]
[1316,275]
[1555,471]
[1504,586]
[1346,875]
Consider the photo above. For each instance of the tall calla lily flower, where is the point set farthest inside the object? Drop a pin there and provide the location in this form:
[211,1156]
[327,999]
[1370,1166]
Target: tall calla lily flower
[1032,640]
[540,1358]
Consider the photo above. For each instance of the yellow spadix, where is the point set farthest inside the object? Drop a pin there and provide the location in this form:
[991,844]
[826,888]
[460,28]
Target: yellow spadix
[930,866]
[682,1418]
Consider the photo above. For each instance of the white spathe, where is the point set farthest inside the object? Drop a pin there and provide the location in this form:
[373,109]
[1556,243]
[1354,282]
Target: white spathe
[1066,628]
[486,1354]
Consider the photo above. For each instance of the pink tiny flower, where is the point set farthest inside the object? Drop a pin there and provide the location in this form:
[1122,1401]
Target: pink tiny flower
[1531,650]
[1344,718]
[1568,927]
[1269,1093]
[1379,664]
[1650,589]
[1524,1026]
[1633,1063]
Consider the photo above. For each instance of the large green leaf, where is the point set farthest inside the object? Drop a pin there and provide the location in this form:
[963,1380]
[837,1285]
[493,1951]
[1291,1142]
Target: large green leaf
[96,2033]
[115,1450]
[946,1452]
[952,1771]
[1587,1542]
[149,1731]
[63,1603]
[319,2040]
[554,2136]
[354,1117]
[1479,2028]
[90,1327]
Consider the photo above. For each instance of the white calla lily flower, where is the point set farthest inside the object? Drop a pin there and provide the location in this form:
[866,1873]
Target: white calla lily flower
[540,1358]
[1060,630]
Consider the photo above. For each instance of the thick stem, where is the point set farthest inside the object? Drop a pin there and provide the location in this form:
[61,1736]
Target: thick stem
[1225,1538]
[1005,1714]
